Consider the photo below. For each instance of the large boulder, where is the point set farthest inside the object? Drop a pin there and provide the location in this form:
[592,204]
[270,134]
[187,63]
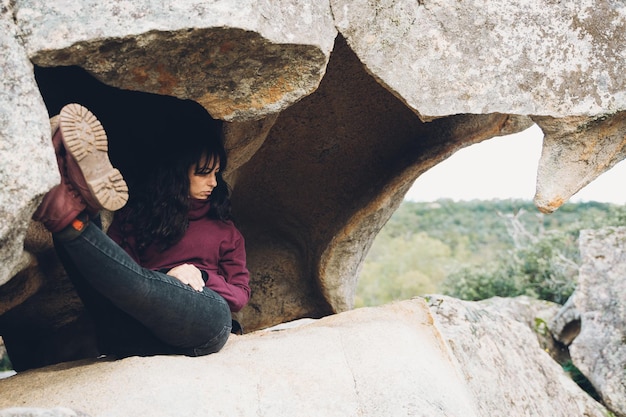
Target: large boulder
[41,412]
[576,150]
[394,360]
[508,371]
[240,60]
[558,60]
[28,167]
[338,366]
[599,350]
[537,315]
[445,57]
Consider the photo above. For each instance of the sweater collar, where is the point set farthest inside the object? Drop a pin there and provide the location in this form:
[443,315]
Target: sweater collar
[198,208]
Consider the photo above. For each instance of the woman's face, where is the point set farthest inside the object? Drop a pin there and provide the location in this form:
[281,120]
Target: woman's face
[201,184]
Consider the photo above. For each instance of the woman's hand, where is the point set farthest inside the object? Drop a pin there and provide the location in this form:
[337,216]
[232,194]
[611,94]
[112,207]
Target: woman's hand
[188,275]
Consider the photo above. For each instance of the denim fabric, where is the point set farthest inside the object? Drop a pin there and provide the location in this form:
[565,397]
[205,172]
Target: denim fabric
[137,311]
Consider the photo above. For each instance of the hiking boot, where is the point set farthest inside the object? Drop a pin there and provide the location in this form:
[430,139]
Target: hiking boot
[89,169]
[88,181]
[62,203]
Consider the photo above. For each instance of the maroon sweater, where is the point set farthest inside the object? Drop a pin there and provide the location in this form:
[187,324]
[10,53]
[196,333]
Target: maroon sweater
[214,246]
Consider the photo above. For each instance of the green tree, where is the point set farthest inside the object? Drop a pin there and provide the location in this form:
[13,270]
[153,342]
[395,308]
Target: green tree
[478,249]
[543,265]
[400,268]
[5,362]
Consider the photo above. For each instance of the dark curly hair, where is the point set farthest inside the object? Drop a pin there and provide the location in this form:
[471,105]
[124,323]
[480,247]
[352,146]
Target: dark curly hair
[157,212]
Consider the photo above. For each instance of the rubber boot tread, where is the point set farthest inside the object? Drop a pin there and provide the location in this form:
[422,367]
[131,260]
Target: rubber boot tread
[86,142]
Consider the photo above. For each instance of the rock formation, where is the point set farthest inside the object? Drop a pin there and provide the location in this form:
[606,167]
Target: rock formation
[41,412]
[331,110]
[597,309]
[456,359]
[496,350]
[575,151]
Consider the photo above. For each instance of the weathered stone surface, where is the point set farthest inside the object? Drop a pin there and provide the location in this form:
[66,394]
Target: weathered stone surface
[446,57]
[508,373]
[240,60]
[576,150]
[530,311]
[341,260]
[22,285]
[599,351]
[384,361]
[242,140]
[565,326]
[41,412]
[388,361]
[332,170]
[504,59]
[538,315]
[27,167]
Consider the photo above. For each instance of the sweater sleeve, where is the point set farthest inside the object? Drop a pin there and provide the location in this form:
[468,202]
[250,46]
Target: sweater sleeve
[232,278]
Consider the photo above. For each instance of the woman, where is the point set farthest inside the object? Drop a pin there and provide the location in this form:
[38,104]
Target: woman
[173,268]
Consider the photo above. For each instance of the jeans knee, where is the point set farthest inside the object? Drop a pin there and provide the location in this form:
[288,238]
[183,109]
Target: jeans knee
[214,345]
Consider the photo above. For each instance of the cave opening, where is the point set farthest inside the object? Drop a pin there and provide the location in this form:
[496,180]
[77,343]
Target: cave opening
[142,128]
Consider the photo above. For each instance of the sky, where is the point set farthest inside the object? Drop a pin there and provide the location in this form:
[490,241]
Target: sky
[505,167]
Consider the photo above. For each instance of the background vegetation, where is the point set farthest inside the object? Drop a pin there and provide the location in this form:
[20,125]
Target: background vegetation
[479,249]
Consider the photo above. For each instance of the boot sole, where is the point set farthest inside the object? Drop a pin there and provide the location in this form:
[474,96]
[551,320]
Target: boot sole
[86,141]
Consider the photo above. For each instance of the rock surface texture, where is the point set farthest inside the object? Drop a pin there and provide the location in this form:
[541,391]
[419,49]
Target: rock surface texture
[385,361]
[41,412]
[599,351]
[575,151]
[239,60]
[331,110]
[500,355]
[28,165]
[535,57]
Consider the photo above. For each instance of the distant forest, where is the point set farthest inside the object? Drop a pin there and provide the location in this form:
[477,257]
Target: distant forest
[478,249]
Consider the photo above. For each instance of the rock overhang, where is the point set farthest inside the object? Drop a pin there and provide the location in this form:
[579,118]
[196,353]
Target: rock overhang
[444,57]
[240,61]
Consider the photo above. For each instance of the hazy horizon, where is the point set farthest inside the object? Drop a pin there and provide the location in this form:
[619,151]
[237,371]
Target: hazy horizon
[505,167]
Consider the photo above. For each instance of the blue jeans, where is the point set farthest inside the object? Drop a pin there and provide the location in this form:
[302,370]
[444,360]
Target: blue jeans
[137,311]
